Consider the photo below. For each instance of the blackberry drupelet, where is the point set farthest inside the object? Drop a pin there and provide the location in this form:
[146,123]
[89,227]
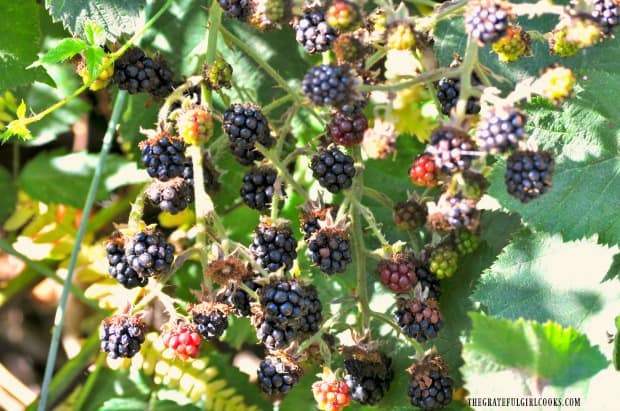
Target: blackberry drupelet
[330,250]
[148,253]
[313,32]
[258,187]
[419,319]
[121,336]
[236,9]
[328,85]
[487,20]
[528,174]
[368,376]
[172,196]
[398,272]
[274,246]
[210,320]
[448,90]
[245,125]
[500,130]
[347,129]
[333,169]
[410,214]
[430,387]
[118,267]
[606,13]
[451,148]
[277,375]
[137,73]
[163,156]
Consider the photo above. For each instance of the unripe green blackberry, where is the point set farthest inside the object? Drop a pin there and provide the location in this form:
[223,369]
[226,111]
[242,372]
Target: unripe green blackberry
[443,261]
[400,36]
[218,74]
[514,45]
[466,241]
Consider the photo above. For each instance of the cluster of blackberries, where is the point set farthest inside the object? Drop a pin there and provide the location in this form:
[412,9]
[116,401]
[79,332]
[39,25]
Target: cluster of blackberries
[245,125]
[313,32]
[419,319]
[274,246]
[137,73]
[122,336]
[368,376]
[333,169]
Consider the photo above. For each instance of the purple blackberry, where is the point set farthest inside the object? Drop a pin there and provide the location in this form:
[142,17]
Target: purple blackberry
[430,387]
[606,14]
[410,214]
[258,187]
[163,156]
[122,336]
[274,246]
[419,319]
[460,212]
[313,32]
[368,376]
[500,130]
[137,73]
[487,20]
[330,250]
[172,196]
[528,174]
[448,90]
[211,321]
[277,375]
[149,254]
[118,267]
[236,9]
[245,126]
[347,129]
[328,85]
[333,169]
[451,148]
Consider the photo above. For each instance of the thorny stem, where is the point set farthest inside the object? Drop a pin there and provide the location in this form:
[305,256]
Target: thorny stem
[426,77]
[277,103]
[372,222]
[283,172]
[379,197]
[467,67]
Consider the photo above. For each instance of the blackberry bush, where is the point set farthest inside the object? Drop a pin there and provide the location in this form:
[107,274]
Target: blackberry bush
[313,32]
[528,174]
[122,336]
[274,246]
[333,169]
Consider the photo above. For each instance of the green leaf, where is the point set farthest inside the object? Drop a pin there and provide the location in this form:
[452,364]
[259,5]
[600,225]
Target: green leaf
[134,404]
[538,277]
[546,354]
[64,50]
[616,353]
[94,59]
[114,16]
[94,33]
[614,269]
[9,193]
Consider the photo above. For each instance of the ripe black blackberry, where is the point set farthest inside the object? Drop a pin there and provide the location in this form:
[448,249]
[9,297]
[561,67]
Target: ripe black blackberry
[313,32]
[430,387]
[347,129]
[451,148]
[122,335]
[277,375]
[284,301]
[311,321]
[419,319]
[148,253]
[368,376]
[237,298]
[410,214]
[528,174]
[118,267]
[500,130]
[137,73]
[459,212]
[236,9]
[333,169]
[172,196]
[274,246]
[329,248]
[487,20]
[211,320]
[258,187]
[448,90]
[163,156]
[273,335]
[606,13]
[245,126]
[329,85]
[427,280]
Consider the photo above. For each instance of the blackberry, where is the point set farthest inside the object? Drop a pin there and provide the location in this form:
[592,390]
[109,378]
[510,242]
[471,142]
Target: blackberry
[460,212]
[500,130]
[163,156]
[148,253]
[451,148]
[312,215]
[487,20]
[430,387]
[236,9]
[274,335]
[347,129]
[277,375]
[528,174]
[274,246]
[466,242]
[210,320]
[118,267]
[423,171]
[427,279]
[343,15]
[121,336]
[181,339]
[284,301]
[443,261]
[245,126]
[330,249]
[194,124]
[209,174]
[172,196]
[328,85]
[237,298]
[137,73]
[311,321]
[419,319]
[218,74]
[333,169]
[330,393]
[313,32]
[606,14]
[397,273]
[448,90]
[368,376]
[410,214]
[258,187]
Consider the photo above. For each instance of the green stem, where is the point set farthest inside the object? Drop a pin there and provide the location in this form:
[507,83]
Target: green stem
[277,103]
[119,104]
[467,67]
[372,222]
[80,403]
[379,197]
[16,161]
[137,210]
[215,18]
[426,77]
[283,172]
[253,294]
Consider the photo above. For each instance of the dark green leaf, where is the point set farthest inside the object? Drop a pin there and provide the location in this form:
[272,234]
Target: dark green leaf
[9,193]
[64,50]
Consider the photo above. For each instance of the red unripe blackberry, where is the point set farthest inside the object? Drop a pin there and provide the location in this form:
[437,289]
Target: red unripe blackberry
[368,376]
[452,149]
[245,125]
[333,169]
[347,129]
[182,339]
[277,375]
[122,335]
[118,267]
[137,73]
[419,319]
[172,196]
[313,32]
[430,387]
[443,261]
[487,20]
[607,14]
[328,85]
[258,187]
[500,129]
[343,15]
[528,174]
[274,246]
[331,395]
[211,320]
[423,171]
[398,273]
[148,253]
[163,156]
[409,214]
